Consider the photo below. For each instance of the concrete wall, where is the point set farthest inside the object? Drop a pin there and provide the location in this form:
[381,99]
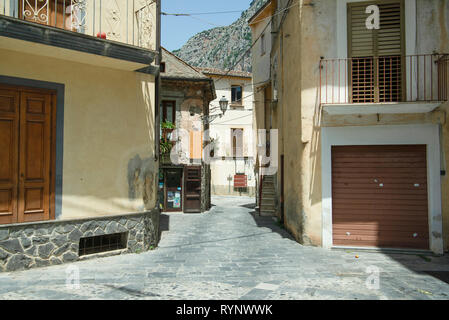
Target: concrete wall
[108,165]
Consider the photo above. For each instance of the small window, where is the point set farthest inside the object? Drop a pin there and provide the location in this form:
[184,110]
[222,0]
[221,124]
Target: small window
[100,244]
[237,92]
[162,67]
[262,44]
[237,142]
[169,111]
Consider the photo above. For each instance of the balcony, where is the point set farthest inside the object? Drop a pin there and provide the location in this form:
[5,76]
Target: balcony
[121,29]
[393,84]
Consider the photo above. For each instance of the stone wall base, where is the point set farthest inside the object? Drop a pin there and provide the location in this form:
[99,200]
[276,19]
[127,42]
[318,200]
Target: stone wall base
[31,245]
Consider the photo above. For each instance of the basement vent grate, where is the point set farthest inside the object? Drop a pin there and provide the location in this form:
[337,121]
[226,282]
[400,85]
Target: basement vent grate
[105,243]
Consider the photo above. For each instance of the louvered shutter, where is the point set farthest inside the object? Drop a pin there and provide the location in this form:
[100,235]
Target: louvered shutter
[376,68]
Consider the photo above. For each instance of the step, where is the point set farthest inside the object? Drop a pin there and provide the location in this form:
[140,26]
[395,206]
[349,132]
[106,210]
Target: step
[267,213]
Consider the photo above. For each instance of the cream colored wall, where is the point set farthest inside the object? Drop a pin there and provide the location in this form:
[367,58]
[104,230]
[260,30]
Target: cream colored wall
[261,63]
[223,172]
[308,33]
[127,21]
[108,165]
[220,129]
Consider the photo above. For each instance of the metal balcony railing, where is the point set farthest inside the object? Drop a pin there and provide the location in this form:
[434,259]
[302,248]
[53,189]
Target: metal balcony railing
[413,78]
[127,21]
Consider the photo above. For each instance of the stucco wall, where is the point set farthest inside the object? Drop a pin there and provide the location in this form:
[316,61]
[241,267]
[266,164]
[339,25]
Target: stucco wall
[108,165]
[127,21]
[261,62]
[220,129]
[316,30]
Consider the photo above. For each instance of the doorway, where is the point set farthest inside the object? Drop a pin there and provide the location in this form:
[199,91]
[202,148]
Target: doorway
[27,158]
[173,190]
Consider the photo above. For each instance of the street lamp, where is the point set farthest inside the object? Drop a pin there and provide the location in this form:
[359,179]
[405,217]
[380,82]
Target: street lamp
[224,104]
[223,107]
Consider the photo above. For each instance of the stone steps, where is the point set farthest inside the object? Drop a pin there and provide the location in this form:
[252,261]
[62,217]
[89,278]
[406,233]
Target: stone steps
[268,203]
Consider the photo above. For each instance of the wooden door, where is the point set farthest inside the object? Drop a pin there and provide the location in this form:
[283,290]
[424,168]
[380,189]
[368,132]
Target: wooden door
[9,155]
[27,157]
[173,190]
[192,198]
[35,157]
[379,196]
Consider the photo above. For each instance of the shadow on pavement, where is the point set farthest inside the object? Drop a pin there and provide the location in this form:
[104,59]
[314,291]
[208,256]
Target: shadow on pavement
[270,223]
[164,223]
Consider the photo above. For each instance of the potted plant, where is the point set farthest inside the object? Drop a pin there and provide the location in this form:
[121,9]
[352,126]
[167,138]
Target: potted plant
[167,128]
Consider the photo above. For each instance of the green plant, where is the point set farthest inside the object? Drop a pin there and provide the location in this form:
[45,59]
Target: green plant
[168,125]
[165,147]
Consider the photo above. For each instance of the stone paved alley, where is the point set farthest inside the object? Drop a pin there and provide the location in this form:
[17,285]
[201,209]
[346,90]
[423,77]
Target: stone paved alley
[227,253]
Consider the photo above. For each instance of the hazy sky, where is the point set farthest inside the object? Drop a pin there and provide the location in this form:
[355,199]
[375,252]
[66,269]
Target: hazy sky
[177,30]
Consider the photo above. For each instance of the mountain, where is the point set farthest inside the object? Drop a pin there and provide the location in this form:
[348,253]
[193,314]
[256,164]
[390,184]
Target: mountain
[222,47]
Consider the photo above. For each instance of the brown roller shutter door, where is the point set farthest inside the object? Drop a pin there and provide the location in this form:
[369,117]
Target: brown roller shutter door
[379,196]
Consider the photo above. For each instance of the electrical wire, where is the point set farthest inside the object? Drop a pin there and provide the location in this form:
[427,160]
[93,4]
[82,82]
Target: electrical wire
[255,41]
[200,13]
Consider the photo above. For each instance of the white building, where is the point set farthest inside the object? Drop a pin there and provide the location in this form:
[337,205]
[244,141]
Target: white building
[233,167]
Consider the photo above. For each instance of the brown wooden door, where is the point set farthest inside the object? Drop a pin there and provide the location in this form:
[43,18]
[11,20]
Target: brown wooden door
[35,157]
[27,119]
[9,155]
[379,196]
[192,198]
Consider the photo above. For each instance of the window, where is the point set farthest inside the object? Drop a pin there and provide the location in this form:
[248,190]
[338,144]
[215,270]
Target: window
[262,44]
[168,111]
[376,69]
[69,15]
[162,67]
[236,94]
[237,142]
[104,243]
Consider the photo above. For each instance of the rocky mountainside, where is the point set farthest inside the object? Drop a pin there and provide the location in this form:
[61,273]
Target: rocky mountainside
[222,47]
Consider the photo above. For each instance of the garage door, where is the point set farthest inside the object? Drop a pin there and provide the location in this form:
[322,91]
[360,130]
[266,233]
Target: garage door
[379,196]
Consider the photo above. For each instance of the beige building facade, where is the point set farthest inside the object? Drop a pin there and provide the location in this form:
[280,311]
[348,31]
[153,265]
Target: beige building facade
[77,113]
[184,175]
[362,124]
[232,165]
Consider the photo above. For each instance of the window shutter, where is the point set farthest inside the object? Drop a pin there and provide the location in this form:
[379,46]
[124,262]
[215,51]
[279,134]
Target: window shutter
[361,40]
[374,43]
[389,36]
[376,80]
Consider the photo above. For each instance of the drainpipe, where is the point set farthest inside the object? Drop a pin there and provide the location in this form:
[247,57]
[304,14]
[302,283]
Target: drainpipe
[157,124]
[157,90]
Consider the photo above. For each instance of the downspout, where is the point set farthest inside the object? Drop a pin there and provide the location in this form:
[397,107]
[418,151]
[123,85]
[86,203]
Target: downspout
[157,123]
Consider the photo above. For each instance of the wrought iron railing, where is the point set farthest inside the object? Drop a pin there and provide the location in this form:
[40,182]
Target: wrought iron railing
[127,21]
[413,78]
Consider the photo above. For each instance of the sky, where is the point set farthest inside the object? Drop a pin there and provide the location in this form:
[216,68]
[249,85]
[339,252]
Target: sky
[177,30]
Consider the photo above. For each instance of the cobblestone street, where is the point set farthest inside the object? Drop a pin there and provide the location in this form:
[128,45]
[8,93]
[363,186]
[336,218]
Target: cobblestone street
[228,253]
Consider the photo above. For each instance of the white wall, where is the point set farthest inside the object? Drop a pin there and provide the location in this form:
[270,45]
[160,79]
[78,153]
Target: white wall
[220,129]
[385,135]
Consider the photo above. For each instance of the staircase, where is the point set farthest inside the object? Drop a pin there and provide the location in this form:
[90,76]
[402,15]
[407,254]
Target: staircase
[268,204]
